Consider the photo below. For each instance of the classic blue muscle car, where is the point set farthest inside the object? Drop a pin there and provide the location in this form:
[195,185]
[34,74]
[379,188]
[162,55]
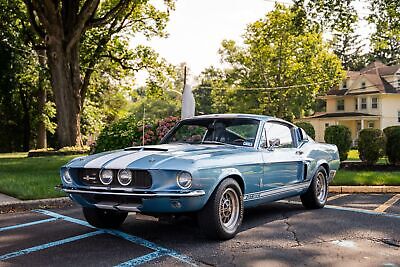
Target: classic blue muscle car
[213,166]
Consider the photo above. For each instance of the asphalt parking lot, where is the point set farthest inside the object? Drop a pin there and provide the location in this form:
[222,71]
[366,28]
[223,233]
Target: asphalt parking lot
[356,230]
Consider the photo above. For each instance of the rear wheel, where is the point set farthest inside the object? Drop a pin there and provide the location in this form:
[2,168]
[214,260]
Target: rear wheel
[222,216]
[104,218]
[315,196]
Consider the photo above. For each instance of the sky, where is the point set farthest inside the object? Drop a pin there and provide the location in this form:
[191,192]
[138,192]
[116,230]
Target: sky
[197,27]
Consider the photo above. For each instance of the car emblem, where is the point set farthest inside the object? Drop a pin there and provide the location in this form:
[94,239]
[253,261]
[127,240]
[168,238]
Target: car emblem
[88,178]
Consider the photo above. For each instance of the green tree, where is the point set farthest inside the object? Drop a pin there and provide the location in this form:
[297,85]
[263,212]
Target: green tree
[280,52]
[385,40]
[78,34]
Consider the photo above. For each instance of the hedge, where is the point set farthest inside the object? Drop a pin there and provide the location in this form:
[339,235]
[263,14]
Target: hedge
[339,135]
[392,134]
[307,127]
[70,150]
[371,145]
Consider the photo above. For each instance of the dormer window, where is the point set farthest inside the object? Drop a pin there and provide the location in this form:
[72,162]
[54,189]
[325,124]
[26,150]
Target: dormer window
[398,81]
[340,104]
[363,85]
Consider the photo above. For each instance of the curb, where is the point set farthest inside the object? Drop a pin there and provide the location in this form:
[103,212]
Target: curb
[363,189]
[19,206]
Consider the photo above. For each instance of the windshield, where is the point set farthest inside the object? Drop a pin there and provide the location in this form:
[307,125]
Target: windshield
[233,131]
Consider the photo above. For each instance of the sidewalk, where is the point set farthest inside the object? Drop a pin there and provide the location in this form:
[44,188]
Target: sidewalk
[7,199]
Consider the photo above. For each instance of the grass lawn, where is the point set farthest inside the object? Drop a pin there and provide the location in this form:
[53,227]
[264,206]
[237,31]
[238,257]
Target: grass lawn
[344,177]
[30,178]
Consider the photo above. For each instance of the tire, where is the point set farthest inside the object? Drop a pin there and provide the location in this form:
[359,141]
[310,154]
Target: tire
[316,194]
[104,218]
[222,225]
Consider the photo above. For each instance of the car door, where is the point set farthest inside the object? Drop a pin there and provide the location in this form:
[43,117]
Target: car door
[283,161]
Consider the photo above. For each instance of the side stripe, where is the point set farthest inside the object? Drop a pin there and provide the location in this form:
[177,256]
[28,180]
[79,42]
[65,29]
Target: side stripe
[272,192]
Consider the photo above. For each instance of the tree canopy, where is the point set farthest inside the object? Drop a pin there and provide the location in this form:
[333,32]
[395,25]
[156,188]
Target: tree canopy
[281,68]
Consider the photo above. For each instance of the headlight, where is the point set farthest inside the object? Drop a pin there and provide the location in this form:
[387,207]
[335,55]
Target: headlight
[124,177]
[184,180]
[66,177]
[106,177]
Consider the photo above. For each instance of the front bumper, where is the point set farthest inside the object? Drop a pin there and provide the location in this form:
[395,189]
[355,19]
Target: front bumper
[145,202]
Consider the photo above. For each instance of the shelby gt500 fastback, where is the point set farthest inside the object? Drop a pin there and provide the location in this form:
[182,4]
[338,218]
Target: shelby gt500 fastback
[212,166]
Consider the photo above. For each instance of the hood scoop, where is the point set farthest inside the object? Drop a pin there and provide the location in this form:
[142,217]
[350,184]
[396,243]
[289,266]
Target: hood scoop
[143,148]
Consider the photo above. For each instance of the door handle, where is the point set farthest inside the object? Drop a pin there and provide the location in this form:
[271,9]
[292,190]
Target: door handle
[299,152]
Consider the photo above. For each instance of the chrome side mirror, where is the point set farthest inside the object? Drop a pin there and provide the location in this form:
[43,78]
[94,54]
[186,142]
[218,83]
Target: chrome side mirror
[273,143]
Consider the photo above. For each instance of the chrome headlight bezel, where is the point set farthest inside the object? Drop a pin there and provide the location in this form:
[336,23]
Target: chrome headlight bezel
[125,172]
[66,176]
[184,180]
[104,172]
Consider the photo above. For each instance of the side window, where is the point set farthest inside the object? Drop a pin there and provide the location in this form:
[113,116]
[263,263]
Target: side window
[278,134]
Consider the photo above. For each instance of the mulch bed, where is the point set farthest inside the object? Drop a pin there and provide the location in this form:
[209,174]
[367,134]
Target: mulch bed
[361,166]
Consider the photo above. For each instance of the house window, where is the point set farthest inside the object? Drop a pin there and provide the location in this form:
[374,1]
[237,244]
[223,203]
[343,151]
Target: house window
[371,124]
[398,81]
[363,86]
[398,116]
[356,103]
[344,85]
[358,126]
[374,102]
[363,103]
[340,104]
[327,124]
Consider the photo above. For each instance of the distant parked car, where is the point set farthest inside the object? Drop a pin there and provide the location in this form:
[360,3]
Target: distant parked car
[213,166]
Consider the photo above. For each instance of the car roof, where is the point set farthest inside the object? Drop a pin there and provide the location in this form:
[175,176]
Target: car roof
[240,115]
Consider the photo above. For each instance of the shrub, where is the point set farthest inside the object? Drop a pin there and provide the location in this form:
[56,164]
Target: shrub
[393,144]
[307,127]
[163,126]
[339,135]
[124,133]
[371,145]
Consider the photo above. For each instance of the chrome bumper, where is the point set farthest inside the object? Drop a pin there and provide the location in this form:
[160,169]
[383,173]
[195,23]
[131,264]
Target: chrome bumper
[195,193]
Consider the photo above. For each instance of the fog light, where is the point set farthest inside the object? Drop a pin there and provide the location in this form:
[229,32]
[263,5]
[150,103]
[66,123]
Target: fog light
[66,177]
[106,177]
[184,180]
[124,177]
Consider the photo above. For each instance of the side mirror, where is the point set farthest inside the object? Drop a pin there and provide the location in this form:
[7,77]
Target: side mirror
[273,143]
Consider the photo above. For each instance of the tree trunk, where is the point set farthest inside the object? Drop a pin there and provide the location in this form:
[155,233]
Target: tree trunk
[65,80]
[26,120]
[42,98]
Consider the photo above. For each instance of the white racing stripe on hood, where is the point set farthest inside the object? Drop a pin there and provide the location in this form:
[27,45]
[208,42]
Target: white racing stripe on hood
[100,161]
[124,161]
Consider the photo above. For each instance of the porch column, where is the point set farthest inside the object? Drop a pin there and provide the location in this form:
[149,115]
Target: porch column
[362,124]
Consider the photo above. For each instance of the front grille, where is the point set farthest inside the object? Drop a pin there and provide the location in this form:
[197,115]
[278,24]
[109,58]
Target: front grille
[141,178]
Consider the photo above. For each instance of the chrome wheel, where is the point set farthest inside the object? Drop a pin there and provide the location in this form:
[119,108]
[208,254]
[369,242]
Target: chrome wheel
[320,187]
[229,209]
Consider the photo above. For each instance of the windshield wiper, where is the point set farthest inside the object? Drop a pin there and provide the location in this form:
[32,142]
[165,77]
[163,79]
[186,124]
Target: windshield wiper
[213,143]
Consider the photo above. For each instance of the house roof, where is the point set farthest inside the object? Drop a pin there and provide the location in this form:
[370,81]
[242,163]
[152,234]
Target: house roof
[340,115]
[374,73]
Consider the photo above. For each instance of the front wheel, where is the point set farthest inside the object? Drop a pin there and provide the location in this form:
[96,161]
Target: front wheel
[316,194]
[222,216]
[104,218]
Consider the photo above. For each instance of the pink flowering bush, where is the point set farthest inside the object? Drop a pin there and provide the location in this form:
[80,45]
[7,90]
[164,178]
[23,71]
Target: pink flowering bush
[163,126]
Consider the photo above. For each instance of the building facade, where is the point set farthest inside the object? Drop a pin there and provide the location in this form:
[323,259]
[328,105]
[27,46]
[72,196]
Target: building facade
[369,98]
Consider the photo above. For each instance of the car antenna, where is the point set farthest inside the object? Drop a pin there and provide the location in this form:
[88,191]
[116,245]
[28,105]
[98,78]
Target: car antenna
[144,115]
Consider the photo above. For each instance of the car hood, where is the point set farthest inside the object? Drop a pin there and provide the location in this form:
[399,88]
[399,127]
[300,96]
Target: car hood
[167,156]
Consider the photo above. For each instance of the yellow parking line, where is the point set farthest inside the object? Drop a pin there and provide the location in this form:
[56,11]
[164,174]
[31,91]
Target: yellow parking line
[336,197]
[388,203]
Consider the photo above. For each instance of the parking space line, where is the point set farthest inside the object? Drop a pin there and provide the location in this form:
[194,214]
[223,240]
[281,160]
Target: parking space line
[48,245]
[134,239]
[27,224]
[336,197]
[370,212]
[388,203]
[143,259]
